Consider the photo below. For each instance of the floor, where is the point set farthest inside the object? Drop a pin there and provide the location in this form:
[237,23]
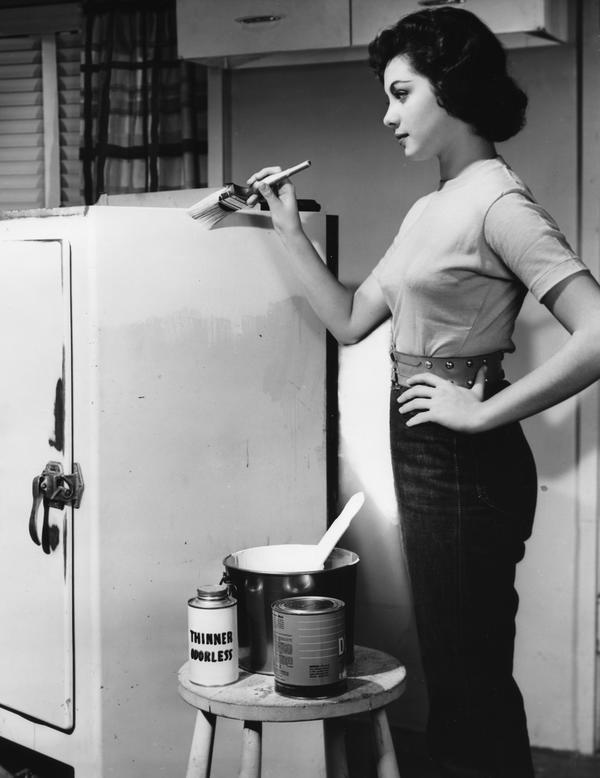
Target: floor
[557,764]
[20,763]
[413,763]
[548,764]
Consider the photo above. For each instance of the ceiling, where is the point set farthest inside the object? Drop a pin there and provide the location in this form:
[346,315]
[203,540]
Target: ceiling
[24,3]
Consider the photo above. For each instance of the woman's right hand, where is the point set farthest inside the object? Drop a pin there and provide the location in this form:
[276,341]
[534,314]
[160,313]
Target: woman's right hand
[281,200]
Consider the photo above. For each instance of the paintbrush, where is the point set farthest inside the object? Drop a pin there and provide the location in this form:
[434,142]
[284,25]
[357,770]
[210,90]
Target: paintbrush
[233,197]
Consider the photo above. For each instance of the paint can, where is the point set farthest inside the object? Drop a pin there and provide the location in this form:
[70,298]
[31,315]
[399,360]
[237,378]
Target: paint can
[212,636]
[309,646]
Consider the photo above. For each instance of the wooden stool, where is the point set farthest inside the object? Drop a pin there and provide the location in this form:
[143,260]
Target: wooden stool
[374,680]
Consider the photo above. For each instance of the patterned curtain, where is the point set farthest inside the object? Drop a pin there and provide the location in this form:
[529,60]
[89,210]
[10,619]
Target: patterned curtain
[144,109]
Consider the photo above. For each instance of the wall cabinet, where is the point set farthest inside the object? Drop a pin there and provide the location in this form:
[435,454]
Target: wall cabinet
[212,28]
[241,33]
[517,22]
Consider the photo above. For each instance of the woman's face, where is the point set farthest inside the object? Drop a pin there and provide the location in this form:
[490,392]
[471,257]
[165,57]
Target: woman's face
[423,128]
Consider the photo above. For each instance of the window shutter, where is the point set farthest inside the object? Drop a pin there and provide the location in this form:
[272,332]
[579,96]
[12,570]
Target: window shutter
[40,104]
[21,123]
[68,52]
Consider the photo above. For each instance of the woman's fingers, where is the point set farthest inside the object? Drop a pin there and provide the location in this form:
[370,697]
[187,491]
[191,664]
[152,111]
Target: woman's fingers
[421,385]
[270,193]
[479,384]
[280,197]
[416,404]
[263,173]
[264,189]
[421,390]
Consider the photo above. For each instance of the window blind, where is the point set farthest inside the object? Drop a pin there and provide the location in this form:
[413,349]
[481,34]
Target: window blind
[68,54]
[40,104]
[21,123]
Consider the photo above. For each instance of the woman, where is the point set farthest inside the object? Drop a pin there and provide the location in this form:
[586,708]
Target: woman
[453,282]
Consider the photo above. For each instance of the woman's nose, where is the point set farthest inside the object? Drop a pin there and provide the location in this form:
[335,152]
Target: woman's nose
[390,119]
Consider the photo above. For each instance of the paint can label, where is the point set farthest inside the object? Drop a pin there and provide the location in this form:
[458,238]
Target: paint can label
[212,637]
[309,645]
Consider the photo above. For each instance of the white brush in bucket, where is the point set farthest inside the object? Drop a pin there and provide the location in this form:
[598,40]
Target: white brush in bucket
[329,540]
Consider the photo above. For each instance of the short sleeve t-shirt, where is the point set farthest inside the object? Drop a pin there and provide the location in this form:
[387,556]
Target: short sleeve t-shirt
[458,270]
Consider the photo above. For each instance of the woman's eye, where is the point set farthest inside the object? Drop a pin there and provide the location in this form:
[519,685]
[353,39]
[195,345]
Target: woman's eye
[400,95]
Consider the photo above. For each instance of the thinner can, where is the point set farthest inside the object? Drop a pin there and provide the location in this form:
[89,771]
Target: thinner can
[212,636]
[309,646]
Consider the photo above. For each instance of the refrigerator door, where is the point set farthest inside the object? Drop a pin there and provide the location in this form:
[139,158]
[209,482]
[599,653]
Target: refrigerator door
[36,632]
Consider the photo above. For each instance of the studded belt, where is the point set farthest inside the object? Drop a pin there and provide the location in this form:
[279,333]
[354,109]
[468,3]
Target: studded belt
[459,370]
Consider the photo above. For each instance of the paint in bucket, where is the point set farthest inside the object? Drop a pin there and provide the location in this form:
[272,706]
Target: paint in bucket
[309,646]
[212,636]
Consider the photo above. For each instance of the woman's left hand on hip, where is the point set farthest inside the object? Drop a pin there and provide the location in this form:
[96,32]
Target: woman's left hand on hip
[440,401]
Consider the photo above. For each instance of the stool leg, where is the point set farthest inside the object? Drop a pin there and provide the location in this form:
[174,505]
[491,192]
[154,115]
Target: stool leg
[387,766]
[202,746]
[336,764]
[251,750]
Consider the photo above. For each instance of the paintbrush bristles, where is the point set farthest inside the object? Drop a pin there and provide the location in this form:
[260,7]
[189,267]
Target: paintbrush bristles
[210,210]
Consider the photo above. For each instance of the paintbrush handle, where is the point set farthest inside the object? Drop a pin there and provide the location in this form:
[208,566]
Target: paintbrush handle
[275,178]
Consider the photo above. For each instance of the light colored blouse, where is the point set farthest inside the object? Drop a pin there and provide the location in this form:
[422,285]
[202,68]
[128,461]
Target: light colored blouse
[458,270]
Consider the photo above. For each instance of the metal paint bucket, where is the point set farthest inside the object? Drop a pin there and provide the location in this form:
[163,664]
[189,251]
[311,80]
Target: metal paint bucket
[257,590]
[309,646]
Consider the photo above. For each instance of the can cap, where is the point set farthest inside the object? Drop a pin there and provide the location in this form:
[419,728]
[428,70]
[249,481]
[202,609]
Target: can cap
[213,592]
[308,604]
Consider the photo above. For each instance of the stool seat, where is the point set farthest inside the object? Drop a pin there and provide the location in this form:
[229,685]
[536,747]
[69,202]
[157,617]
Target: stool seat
[374,680]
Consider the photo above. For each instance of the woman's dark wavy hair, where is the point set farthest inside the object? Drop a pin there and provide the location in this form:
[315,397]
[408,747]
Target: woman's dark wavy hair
[465,63]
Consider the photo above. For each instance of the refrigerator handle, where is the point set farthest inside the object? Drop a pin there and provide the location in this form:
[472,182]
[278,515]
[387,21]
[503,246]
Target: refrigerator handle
[50,534]
[37,498]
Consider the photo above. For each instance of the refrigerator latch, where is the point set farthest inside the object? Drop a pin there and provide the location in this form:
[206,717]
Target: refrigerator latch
[54,489]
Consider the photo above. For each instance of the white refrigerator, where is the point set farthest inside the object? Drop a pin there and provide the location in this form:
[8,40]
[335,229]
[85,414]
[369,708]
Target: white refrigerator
[164,389]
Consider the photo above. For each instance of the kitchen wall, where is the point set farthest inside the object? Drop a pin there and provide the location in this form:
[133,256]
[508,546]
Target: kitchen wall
[332,115]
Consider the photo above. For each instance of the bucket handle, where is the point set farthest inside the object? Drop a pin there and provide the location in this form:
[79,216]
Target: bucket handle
[231,587]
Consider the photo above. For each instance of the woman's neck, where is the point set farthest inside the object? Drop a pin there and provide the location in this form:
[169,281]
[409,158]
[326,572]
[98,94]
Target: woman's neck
[454,160]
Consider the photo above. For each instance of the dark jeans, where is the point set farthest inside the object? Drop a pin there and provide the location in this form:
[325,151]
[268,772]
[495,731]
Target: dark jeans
[467,504]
